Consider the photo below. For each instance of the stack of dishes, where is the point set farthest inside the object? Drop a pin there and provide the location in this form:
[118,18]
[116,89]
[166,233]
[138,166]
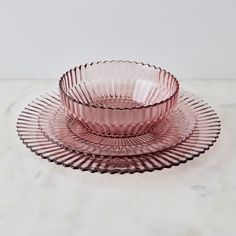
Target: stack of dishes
[118,117]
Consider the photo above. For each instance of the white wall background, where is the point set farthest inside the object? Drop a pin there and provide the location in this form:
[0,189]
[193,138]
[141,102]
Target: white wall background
[192,39]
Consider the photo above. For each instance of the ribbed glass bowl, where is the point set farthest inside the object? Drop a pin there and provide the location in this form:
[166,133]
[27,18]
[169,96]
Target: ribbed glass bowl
[118,98]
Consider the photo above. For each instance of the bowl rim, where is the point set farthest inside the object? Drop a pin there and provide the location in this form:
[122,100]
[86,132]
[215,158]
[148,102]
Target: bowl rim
[117,108]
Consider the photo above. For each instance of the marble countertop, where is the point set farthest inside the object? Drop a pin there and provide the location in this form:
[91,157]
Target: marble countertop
[40,198]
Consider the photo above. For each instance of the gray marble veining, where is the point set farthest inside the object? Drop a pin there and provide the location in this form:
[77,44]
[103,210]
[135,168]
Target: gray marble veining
[39,198]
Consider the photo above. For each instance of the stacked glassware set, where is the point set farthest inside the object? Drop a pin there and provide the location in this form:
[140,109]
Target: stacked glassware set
[118,117]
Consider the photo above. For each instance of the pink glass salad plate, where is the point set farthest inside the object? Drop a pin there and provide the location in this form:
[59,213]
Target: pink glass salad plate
[118,117]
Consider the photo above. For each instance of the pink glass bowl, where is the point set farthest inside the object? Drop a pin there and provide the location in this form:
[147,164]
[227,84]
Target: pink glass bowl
[118,98]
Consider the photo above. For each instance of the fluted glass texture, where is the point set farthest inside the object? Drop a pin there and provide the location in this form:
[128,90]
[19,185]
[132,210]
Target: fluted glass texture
[118,98]
[33,123]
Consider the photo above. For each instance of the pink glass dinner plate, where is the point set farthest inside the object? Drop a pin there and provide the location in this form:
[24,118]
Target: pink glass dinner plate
[190,129]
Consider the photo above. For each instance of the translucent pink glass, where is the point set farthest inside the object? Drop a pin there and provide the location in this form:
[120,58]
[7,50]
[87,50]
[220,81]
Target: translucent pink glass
[67,131]
[33,123]
[118,98]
